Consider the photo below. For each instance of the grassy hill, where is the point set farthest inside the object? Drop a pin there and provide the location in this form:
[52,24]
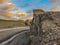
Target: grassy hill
[11,23]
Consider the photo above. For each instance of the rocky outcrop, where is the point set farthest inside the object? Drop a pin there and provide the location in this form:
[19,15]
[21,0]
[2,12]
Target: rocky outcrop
[45,28]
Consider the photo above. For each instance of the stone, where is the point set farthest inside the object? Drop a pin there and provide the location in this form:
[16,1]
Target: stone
[46,27]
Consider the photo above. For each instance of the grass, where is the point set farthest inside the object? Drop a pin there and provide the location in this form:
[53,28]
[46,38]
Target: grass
[11,23]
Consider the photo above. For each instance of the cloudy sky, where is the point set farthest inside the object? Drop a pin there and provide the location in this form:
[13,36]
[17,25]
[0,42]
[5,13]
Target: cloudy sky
[21,9]
[26,5]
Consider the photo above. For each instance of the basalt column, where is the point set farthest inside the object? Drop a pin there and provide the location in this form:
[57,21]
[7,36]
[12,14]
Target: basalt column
[37,15]
[36,26]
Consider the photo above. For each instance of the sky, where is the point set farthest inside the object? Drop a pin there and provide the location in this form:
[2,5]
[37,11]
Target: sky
[22,9]
[26,5]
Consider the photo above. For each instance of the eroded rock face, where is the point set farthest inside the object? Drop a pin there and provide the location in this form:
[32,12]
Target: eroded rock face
[46,27]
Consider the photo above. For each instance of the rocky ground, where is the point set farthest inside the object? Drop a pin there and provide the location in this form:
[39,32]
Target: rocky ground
[15,36]
[19,39]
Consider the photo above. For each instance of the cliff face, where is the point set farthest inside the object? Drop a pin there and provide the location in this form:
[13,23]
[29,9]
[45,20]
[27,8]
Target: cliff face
[45,28]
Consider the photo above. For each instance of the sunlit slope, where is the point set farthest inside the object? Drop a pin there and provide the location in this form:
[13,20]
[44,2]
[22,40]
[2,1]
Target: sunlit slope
[11,23]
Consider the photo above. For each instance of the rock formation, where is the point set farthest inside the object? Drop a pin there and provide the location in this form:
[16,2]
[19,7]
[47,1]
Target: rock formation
[45,28]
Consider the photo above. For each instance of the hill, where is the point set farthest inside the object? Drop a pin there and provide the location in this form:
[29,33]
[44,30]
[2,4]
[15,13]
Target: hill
[11,23]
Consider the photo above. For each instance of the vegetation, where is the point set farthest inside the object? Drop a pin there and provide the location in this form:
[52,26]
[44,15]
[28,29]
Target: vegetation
[11,23]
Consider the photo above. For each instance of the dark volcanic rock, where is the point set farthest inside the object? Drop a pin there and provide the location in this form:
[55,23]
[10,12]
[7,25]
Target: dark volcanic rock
[46,27]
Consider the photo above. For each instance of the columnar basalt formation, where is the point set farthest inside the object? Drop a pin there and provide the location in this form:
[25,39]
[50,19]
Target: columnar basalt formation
[45,28]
